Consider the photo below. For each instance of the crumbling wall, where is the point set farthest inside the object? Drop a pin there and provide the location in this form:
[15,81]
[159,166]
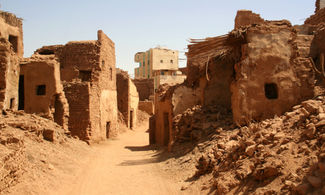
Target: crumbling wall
[163,131]
[317,18]
[270,79]
[43,91]
[146,106]
[216,89]
[145,88]
[9,76]
[184,98]
[128,98]
[93,64]
[78,97]
[11,28]
[122,86]
[134,103]
[11,50]
[107,85]
[320,4]
[246,18]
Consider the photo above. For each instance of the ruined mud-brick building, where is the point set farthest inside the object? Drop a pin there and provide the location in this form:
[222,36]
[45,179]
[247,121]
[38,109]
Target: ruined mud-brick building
[256,71]
[11,51]
[145,88]
[88,74]
[127,98]
[40,89]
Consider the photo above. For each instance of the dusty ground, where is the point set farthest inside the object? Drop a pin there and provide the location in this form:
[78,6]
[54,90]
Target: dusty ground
[123,165]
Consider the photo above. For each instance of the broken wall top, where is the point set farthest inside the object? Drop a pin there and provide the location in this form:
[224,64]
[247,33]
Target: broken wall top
[11,19]
[246,18]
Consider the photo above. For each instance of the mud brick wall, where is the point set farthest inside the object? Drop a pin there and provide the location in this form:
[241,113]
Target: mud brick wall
[107,86]
[78,99]
[76,56]
[247,17]
[10,25]
[317,18]
[122,84]
[270,78]
[9,76]
[145,88]
[43,71]
[146,106]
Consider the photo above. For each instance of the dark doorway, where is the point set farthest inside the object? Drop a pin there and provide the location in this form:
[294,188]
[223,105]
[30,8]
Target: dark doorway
[108,128]
[166,128]
[58,110]
[131,119]
[271,91]
[12,103]
[21,95]
[14,42]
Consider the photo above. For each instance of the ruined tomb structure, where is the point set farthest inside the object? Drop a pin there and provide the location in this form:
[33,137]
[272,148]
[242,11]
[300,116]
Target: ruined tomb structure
[11,51]
[127,98]
[41,91]
[89,78]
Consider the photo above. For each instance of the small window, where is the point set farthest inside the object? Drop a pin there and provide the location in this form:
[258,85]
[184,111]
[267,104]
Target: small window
[103,63]
[161,61]
[41,90]
[111,74]
[171,61]
[85,75]
[14,42]
[162,72]
[271,91]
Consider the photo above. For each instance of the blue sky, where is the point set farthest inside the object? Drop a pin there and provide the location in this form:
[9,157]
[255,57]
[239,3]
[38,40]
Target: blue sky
[137,25]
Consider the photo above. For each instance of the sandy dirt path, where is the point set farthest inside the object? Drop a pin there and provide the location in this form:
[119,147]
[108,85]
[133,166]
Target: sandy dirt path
[125,165]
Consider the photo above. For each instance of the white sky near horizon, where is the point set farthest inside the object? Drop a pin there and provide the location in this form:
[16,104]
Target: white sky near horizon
[137,25]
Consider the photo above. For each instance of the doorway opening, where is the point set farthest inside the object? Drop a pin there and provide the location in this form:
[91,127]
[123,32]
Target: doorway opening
[166,128]
[131,119]
[108,128]
[58,110]
[12,102]
[21,93]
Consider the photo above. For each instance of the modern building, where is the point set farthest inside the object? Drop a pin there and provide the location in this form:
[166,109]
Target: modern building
[160,64]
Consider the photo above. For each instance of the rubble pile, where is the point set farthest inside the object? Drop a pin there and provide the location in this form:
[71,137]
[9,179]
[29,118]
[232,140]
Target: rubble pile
[26,141]
[197,122]
[285,154]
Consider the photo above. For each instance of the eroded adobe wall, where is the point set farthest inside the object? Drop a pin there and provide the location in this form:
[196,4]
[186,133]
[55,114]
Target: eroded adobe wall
[76,56]
[122,85]
[107,86]
[43,91]
[9,76]
[184,97]
[320,4]
[146,106]
[134,103]
[11,28]
[270,78]
[145,88]
[163,121]
[317,18]
[216,85]
[78,97]
[246,18]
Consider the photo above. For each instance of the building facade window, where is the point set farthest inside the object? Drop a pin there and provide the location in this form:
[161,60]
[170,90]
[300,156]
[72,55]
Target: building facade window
[40,90]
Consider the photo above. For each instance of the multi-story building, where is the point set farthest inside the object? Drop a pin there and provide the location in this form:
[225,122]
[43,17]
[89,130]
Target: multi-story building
[160,64]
